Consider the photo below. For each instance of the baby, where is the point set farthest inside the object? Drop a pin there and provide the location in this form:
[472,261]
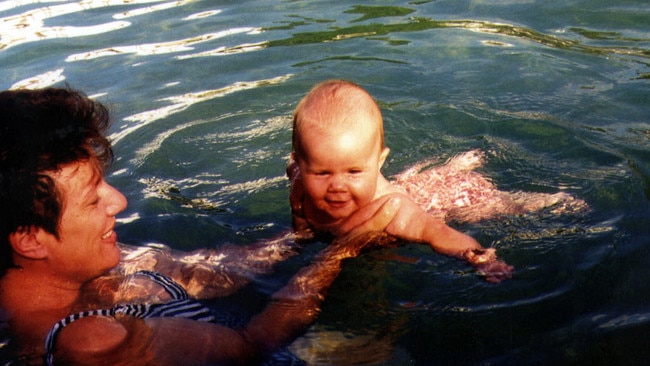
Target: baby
[336,183]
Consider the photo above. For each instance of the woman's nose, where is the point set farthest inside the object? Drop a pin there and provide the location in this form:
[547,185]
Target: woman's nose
[117,201]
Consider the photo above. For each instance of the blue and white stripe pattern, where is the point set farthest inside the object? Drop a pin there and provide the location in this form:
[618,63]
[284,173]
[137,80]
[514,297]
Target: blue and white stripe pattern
[180,307]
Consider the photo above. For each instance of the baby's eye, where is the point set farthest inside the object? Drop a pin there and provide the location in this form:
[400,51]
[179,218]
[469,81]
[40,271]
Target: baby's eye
[355,171]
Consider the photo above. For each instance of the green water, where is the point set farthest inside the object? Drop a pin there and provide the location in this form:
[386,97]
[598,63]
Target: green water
[556,93]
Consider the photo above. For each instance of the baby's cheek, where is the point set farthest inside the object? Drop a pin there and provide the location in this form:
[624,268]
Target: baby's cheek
[312,192]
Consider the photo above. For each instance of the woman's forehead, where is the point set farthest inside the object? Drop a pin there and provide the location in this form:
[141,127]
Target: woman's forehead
[79,173]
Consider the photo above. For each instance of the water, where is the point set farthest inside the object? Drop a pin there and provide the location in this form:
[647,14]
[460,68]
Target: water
[555,92]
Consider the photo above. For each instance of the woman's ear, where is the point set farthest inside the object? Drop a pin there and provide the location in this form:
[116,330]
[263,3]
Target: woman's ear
[383,156]
[27,242]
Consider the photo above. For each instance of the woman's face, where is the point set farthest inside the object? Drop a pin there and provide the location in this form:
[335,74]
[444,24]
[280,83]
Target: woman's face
[87,244]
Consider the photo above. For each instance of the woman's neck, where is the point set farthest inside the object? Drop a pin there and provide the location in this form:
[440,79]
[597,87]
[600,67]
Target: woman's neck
[28,291]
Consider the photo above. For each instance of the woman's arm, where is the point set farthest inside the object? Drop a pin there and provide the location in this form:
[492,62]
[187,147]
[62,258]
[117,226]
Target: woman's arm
[204,273]
[293,308]
[174,341]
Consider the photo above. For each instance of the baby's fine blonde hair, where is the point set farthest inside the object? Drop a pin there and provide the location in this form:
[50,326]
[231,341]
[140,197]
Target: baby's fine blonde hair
[329,102]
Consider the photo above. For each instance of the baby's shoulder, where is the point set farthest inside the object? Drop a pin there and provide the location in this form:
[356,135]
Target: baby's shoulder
[384,187]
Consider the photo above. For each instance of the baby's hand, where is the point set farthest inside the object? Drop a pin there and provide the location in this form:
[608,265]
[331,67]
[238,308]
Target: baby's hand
[487,265]
[495,271]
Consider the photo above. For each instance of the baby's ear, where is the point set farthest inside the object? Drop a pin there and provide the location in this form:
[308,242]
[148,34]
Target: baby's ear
[383,156]
[292,166]
[26,242]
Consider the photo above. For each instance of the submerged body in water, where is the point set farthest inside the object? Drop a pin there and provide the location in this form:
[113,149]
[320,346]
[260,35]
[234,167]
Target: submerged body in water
[455,192]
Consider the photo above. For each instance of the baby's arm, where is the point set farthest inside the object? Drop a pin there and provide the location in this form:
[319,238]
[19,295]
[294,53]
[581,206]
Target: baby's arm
[410,222]
[414,224]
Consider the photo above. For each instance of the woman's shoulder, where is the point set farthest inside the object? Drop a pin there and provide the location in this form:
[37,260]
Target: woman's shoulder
[92,334]
[106,340]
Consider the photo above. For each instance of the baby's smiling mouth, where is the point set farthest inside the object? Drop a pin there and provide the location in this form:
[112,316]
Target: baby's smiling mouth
[337,204]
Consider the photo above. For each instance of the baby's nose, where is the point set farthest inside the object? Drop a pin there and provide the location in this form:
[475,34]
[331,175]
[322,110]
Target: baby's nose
[337,183]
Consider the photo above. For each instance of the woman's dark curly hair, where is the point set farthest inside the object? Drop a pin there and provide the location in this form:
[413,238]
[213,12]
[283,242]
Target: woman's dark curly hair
[40,131]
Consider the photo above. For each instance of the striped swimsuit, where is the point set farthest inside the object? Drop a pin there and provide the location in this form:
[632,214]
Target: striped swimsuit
[181,306]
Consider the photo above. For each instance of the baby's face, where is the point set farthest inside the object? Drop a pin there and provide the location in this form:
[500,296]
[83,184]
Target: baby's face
[340,170]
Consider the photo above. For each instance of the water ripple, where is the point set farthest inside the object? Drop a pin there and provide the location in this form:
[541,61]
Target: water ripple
[148,49]
[40,81]
[30,25]
[181,102]
[416,24]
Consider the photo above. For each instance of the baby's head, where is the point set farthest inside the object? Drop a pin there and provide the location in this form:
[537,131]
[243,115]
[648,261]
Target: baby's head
[333,107]
[339,147]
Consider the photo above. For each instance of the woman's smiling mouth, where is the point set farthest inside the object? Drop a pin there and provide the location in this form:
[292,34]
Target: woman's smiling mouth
[107,235]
